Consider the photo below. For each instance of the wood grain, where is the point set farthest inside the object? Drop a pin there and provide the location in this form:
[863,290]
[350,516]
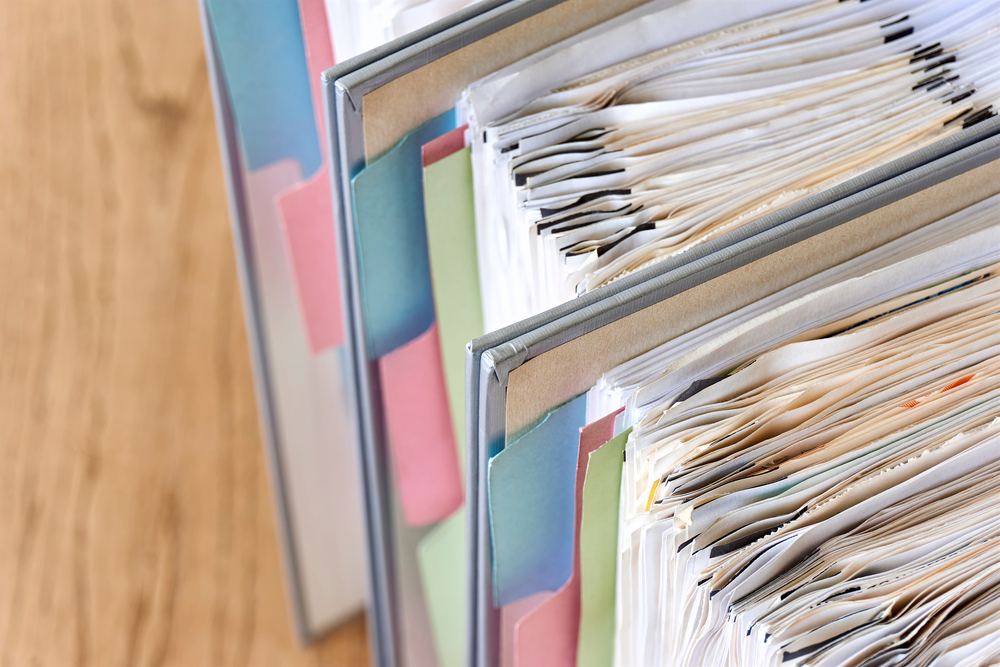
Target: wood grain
[135,517]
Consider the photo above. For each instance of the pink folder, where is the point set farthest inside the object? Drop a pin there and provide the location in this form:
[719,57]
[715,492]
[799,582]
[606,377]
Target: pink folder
[421,437]
[307,210]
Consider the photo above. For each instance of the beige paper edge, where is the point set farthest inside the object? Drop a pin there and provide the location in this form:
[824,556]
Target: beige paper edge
[558,375]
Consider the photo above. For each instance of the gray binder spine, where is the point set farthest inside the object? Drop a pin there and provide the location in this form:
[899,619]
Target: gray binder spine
[344,88]
[345,137]
[380,638]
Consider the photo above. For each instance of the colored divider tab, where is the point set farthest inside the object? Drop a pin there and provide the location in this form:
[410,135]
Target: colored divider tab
[396,293]
[451,242]
[547,637]
[307,219]
[263,60]
[307,211]
[532,502]
[599,553]
[421,439]
[510,616]
[447,144]
[441,554]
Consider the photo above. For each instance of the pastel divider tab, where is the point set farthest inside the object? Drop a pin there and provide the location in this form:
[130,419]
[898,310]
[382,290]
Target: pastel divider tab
[599,553]
[396,295]
[449,206]
[307,217]
[447,144]
[307,211]
[263,59]
[441,555]
[531,504]
[547,637]
[319,54]
[421,439]
[510,616]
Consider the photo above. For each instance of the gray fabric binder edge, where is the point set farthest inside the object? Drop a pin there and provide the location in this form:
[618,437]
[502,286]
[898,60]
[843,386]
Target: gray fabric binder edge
[232,171]
[389,49]
[765,241]
[345,139]
[491,358]
[380,644]
[345,151]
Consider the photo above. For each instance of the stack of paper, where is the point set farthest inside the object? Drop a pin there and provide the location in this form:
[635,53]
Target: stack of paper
[781,426]
[747,430]
[490,171]
[726,112]
[829,498]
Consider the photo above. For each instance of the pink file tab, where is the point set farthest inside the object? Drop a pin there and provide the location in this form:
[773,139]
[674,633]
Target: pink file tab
[307,214]
[445,145]
[421,438]
[307,210]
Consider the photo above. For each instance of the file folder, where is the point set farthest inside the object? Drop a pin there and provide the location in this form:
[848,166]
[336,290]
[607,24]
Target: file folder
[523,381]
[349,110]
[264,61]
[375,106]
[517,380]
[303,400]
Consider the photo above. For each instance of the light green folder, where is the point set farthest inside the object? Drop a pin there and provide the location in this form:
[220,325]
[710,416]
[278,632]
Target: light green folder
[451,242]
[599,553]
[449,210]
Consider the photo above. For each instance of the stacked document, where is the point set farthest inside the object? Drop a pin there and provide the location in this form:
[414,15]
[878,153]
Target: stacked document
[816,483]
[731,271]
[531,174]
[807,478]
[726,112]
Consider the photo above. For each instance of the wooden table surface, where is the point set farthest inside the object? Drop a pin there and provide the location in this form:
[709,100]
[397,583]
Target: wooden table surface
[135,515]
